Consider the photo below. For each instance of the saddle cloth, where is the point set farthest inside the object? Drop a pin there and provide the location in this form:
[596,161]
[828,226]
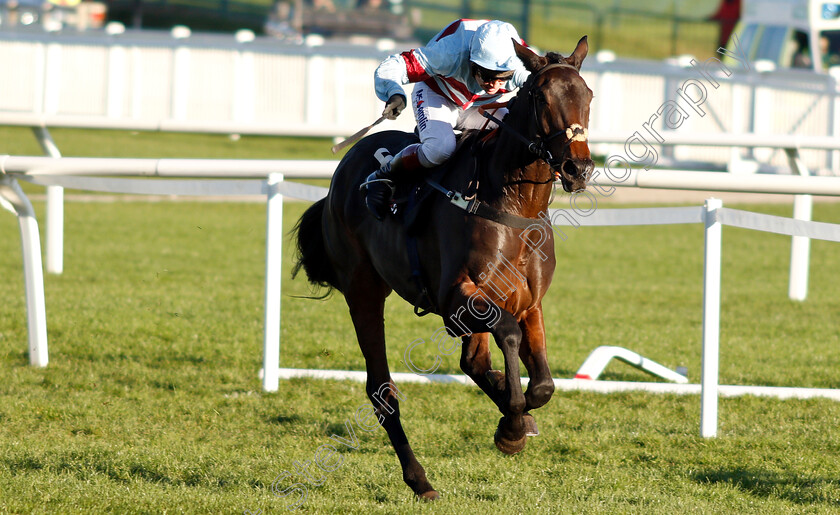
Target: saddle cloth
[410,199]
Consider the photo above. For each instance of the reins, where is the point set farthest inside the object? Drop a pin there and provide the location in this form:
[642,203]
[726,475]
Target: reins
[472,205]
[573,133]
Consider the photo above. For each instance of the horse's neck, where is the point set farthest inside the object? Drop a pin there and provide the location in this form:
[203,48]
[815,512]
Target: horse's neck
[528,182]
[529,188]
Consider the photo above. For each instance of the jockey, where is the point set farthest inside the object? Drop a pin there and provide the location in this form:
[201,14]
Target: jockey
[468,64]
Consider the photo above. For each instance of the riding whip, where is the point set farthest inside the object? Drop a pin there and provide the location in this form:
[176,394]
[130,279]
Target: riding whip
[355,137]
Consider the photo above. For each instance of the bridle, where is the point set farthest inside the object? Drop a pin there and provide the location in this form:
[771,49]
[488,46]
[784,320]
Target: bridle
[538,145]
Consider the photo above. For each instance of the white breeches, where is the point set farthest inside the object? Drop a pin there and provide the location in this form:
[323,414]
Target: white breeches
[437,118]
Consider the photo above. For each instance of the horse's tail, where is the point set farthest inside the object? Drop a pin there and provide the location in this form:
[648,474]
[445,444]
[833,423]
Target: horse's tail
[312,254]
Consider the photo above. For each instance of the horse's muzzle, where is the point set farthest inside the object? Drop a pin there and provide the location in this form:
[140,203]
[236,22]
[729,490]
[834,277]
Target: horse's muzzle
[575,173]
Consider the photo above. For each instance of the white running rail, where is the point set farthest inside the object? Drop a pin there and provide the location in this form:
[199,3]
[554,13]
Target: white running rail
[267,177]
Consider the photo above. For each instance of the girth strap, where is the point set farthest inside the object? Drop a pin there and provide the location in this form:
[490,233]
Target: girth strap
[481,209]
[417,274]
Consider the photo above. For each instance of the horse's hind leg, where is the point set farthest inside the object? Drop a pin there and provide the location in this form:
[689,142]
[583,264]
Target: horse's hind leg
[365,297]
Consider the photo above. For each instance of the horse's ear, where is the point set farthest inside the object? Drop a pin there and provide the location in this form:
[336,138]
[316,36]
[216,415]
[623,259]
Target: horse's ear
[577,57]
[530,59]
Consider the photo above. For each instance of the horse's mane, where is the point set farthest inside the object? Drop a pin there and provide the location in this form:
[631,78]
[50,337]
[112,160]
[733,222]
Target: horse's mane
[496,159]
[555,58]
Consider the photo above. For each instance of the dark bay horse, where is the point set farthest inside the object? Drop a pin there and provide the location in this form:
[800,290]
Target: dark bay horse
[485,275]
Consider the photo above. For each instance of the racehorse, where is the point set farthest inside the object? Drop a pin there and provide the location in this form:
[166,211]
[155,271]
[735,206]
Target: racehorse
[483,269]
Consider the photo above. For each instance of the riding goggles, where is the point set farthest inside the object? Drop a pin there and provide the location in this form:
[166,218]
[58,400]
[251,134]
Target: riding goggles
[490,75]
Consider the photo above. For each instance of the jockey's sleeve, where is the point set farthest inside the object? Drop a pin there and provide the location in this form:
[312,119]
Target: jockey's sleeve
[443,56]
[520,75]
[412,66]
[446,57]
[389,77]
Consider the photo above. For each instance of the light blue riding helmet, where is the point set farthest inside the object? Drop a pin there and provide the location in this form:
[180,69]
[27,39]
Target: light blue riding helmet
[491,46]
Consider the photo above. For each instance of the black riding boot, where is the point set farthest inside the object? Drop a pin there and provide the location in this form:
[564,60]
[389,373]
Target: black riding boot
[380,185]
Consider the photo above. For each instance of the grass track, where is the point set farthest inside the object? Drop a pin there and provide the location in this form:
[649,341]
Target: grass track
[151,401]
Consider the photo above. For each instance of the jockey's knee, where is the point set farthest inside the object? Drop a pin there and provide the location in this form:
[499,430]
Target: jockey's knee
[433,153]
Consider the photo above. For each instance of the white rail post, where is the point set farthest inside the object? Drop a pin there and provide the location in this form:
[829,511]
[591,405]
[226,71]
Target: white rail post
[800,247]
[13,199]
[179,101]
[55,208]
[273,275]
[117,85]
[711,321]
[316,87]
[52,78]
[244,85]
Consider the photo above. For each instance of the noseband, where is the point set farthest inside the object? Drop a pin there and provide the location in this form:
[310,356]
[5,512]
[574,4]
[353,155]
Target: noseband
[539,145]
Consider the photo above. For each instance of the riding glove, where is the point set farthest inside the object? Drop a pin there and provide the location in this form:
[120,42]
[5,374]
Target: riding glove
[394,107]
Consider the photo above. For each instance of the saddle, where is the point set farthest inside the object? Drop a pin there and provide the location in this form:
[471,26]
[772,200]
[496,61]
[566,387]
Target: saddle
[411,201]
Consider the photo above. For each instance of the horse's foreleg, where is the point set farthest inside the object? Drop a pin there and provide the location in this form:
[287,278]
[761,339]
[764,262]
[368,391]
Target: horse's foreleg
[472,312]
[511,434]
[366,300]
[533,354]
[475,362]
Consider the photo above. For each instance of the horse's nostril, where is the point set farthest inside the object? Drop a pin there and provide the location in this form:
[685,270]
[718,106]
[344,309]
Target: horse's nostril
[588,167]
[570,168]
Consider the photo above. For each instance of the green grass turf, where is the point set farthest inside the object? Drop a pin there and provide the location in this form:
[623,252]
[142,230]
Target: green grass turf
[151,402]
[628,29]
[110,143]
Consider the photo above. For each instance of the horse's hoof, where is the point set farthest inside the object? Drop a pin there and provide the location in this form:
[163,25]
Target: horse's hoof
[496,378]
[431,495]
[508,445]
[530,425]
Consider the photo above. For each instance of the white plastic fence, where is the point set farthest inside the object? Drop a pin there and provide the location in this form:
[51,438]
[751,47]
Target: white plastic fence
[66,171]
[791,145]
[152,81]
[140,80]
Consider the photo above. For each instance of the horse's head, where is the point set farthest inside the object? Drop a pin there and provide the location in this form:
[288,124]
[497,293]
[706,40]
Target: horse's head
[558,112]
